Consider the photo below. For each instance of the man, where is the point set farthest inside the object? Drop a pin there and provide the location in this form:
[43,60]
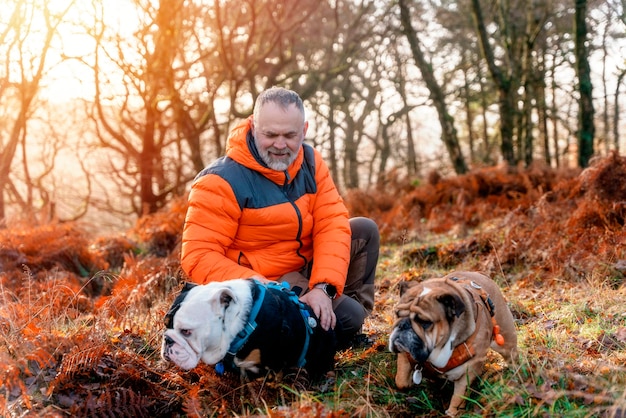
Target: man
[269,209]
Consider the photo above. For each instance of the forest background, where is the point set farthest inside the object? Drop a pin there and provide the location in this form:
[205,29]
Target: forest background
[109,109]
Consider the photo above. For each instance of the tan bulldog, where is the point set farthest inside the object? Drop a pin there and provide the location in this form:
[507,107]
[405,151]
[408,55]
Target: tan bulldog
[445,327]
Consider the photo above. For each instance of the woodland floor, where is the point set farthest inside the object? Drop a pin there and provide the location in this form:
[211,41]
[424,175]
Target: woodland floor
[81,318]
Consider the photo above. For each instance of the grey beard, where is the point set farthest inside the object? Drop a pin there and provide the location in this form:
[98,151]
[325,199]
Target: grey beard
[277,165]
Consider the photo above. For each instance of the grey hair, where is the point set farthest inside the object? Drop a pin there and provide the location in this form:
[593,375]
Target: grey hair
[279,95]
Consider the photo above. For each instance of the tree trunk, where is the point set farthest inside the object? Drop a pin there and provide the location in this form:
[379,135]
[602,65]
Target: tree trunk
[146,165]
[507,95]
[27,83]
[542,106]
[542,116]
[488,146]
[620,78]
[411,153]
[553,111]
[332,149]
[448,131]
[8,152]
[469,114]
[586,128]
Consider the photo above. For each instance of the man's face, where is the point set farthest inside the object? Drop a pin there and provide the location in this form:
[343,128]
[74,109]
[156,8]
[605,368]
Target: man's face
[278,134]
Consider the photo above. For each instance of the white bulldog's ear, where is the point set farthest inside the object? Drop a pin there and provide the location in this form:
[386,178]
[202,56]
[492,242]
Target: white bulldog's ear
[222,300]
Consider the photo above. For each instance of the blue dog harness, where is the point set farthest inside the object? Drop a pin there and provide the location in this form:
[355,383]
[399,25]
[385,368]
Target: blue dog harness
[251,325]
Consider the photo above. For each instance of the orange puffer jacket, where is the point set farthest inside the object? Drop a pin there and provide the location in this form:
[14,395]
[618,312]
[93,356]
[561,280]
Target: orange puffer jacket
[245,219]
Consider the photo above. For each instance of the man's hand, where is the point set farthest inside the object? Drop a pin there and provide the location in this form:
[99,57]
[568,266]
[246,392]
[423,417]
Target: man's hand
[260,278]
[322,307]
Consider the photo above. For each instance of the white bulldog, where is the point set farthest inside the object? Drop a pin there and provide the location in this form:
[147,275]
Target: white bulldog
[245,326]
[204,320]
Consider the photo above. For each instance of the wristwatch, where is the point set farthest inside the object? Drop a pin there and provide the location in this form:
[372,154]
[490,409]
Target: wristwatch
[329,289]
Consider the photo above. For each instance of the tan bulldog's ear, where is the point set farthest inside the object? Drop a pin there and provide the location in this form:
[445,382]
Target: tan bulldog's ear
[406,285]
[453,305]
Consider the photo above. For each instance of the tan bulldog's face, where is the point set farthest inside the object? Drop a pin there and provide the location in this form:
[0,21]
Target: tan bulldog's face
[203,321]
[428,317]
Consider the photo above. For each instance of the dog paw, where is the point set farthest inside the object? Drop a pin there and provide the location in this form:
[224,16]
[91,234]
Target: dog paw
[452,412]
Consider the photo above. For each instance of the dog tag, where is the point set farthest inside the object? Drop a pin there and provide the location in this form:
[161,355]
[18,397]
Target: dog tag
[219,368]
[417,376]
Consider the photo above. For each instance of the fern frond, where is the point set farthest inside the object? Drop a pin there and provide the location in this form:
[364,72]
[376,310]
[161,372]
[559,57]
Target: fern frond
[42,357]
[78,361]
[192,406]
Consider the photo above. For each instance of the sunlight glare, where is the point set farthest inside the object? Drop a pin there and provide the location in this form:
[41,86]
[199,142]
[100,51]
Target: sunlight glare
[68,78]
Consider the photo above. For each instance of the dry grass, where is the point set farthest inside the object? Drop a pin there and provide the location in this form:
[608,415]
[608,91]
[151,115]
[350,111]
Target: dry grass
[81,322]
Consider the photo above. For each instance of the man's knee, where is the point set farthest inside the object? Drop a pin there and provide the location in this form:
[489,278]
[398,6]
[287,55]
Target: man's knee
[365,229]
[350,314]
[297,282]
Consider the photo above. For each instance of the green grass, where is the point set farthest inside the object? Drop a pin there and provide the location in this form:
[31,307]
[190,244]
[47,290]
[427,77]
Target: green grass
[571,342]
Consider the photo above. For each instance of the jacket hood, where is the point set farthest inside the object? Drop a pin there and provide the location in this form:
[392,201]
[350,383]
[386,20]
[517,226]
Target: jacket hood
[242,149]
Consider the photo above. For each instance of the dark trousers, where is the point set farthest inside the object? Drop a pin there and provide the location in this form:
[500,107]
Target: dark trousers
[357,300]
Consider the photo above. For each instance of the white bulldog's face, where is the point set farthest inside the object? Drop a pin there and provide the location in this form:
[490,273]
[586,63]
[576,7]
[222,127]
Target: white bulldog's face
[204,320]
